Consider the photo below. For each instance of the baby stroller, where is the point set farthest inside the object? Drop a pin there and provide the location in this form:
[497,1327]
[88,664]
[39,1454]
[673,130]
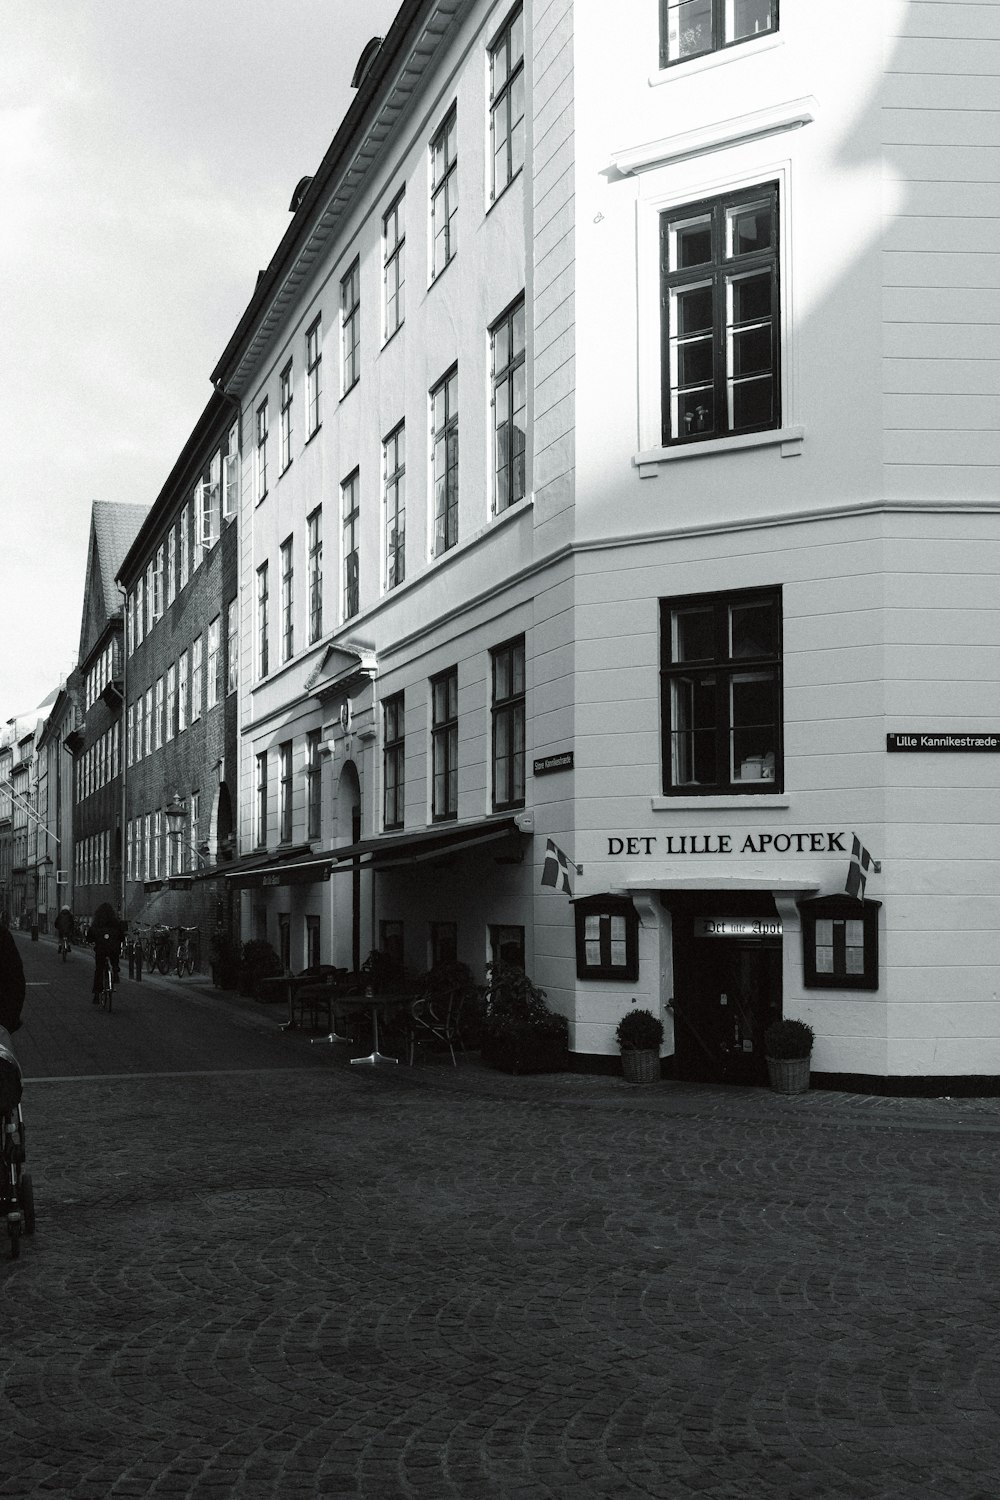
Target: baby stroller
[17,1201]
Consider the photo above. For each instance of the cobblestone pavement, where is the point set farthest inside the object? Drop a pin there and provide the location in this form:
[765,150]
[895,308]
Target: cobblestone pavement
[260,1272]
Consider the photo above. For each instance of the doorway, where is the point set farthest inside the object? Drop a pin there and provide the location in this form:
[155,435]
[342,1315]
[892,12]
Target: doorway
[727,983]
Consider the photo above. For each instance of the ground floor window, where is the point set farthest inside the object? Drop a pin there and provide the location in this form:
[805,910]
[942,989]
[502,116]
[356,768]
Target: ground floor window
[607,938]
[312,942]
[444,943]
[390,940]
[840,943]
[507,946]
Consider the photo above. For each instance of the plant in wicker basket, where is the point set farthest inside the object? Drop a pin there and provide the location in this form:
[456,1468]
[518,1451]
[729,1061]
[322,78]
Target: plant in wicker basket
[640,1036]
[788,1048]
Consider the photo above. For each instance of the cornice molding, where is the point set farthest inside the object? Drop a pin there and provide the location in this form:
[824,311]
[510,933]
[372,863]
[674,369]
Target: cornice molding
[773,120]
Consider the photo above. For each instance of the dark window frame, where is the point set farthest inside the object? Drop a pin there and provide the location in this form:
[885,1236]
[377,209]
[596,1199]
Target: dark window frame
[394,264]
[503,102]
[286,800]
[394,493]
[444,192]
[508,718]
[286,555]
[314,785]
[718,41]
[314,366]
[717,673]
[444,745]
[838,910]
[504,381]
[606,909]
[394,761]
[314,568]
[286,395]
[350,505]
[444,461]
[350,326]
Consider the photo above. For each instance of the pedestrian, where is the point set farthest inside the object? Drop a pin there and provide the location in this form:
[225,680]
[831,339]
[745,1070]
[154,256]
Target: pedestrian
[106,936]
[11,982]
[64,927]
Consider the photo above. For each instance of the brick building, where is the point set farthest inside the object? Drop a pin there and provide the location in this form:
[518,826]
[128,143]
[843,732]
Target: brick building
[180,681]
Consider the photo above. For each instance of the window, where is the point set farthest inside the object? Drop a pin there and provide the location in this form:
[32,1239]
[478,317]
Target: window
[314,524]
[262,630]
[507,102]
[171,728]
[287,627]
[393,753]
[444,451]
[509,405]
[719,294]
[129,736]
[148,726]
[196,657]
[231,474]
[840,943]
[350,326]
[171,564]
[262,798]
[210,514]
[185,542]
[444,943]
[232,646]
[444,745]
[607,938]
[158,583]
[394,466]
[285,791]
[690,28]
[286,416]
[314,388]
[314,785]
[508,724]
[350,498]
[444,193]
[149,598]
[390,939]
[393,264]
[720,658]
[183,691]
[260,453]
[214,660]
[312,941]
[507,946]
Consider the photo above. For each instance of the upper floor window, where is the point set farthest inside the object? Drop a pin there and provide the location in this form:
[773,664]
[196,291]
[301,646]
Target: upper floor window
[196,658]
[185,541]
[720,660]
[285,792]
[262,621]
[444,459]
[171,727]
[314,785]
[690,28]
[507,102]
[350,326]
[232,645]
[314,366]
[214,660]
[350,491]
[444,745]
[444,193]
[171,564]
[393,760]
[509,406]
[260,453]
[231,474]
[159,583]
[508,724]
[393,264]
[394,467]
[285,393]
[314,523]
[287,620]
[211,505]
[719,293]
[159,711]
[261,790]
[183,693]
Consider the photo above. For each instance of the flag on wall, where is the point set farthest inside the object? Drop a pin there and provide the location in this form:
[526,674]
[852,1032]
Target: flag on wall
[555,870]
[857,872]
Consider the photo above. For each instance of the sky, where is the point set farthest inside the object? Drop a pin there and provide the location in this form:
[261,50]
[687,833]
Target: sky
[148,155]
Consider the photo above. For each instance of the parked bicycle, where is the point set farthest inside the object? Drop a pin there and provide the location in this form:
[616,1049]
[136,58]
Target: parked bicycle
[187,954]
[157,947]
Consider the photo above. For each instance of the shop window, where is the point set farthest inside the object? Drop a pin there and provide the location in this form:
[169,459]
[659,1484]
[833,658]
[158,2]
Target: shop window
[444,943]
[390,940]
[312,941]
[607,938]
[840,943]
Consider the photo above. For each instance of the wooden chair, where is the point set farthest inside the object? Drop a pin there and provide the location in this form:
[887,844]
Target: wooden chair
[314,994]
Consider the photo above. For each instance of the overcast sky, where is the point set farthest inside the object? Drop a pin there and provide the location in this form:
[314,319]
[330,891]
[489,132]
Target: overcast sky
[148,153]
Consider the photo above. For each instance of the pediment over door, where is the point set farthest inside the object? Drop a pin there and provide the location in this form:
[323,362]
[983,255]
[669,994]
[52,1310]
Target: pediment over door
[340,668]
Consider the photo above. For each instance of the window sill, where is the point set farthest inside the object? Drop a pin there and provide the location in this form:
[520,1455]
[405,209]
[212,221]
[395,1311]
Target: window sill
[387,340]
[790,440]
[724,801]
[503,192]
[315,433]
[735,53]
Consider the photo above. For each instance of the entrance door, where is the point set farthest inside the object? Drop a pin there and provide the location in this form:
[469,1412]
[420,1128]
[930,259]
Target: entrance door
[727,990]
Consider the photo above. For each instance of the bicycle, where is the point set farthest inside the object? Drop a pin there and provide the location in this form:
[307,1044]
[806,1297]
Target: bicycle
[186,950]
[161,948]
[64,948]
[107,986]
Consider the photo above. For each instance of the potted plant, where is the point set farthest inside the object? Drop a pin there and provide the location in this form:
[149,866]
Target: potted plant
[788,1049]
[640,1037]
[258,961]
[519,1034]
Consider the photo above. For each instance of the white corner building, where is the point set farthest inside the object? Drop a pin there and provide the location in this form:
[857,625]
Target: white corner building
[620,458]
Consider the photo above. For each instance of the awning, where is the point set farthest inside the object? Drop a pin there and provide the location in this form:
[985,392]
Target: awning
[382,853]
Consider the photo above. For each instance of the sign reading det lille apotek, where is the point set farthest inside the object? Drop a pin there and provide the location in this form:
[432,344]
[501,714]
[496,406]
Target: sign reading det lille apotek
[936,741]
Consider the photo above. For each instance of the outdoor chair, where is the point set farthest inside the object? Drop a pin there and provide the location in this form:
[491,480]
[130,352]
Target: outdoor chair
[314,994]
[435,1018]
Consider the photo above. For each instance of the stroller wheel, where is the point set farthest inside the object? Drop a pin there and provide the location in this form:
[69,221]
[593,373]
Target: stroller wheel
[14,1230]
[26,1193]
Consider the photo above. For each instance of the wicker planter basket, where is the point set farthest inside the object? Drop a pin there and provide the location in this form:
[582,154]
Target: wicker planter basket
[640,1065]
[788,1075]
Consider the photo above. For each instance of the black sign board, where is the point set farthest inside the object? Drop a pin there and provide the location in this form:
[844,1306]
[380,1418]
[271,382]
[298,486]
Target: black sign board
[548,763]
[936,741]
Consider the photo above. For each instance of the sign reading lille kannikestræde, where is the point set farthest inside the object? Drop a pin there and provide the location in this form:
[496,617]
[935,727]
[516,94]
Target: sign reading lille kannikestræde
[936,741]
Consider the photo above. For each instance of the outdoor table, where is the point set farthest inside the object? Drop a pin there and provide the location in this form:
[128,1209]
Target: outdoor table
[374,1003]
[284,984]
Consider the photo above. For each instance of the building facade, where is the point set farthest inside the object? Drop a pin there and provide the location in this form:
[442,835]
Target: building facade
[56,791]
[181,638]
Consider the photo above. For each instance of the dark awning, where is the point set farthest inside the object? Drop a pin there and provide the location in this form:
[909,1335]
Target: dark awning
[385,852]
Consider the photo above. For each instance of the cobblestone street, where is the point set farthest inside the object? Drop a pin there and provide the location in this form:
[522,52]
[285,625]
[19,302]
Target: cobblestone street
[260,1272]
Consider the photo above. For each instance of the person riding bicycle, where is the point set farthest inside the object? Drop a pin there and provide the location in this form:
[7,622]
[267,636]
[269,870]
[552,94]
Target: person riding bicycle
[64,925]
[106,933]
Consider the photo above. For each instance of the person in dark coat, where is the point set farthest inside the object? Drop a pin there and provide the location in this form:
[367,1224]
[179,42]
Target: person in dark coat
[11,982]
[106,934]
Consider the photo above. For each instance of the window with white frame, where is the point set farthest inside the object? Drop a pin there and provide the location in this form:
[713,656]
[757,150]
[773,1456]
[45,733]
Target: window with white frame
[394,470]
[350,327]
[171,720]
[444,745]
[147,735]
[444,193]
[285,804]
[260,452]
[692,28]
[213,662]
[196,691]
[183,692]
[261,795]
[509,377]
[159,582]
[314,367]
[393,761]
[185,542]
[350,508]
[721,316]
[159,711]
[287,602]
[262,620]
[444,461]
[314,785]
[171,564]
[231,474]
[507,101]
[285,415]
[232,645]
[394,264]
[314,542]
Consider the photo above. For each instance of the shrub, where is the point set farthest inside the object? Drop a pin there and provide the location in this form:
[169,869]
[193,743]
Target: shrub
[787,1039]
[640,1031]
[519,1032]
[258,961]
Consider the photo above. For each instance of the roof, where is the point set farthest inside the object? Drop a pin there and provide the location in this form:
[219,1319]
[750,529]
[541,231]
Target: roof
[113,528]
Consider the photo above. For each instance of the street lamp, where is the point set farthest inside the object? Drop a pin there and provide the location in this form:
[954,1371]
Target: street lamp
[175,816]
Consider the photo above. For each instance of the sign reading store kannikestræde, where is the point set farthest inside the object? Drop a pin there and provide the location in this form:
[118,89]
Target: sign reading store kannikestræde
[936,741]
